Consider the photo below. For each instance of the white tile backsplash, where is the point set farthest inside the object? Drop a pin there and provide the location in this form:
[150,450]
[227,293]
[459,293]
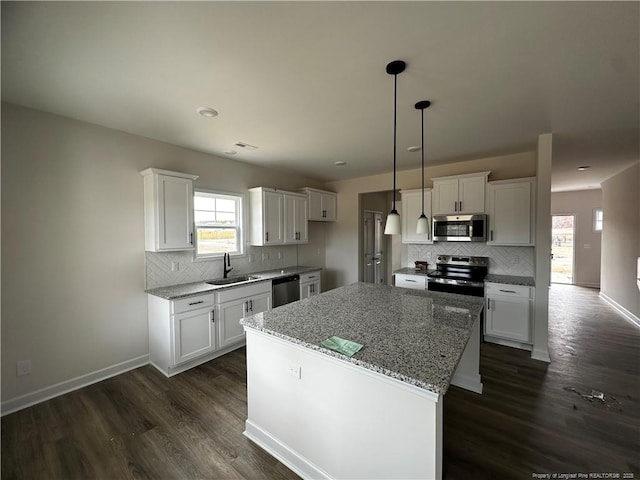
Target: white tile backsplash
[502,260]
[159,273]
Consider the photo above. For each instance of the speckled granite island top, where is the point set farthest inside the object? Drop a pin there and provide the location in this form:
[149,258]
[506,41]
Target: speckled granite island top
[415,336]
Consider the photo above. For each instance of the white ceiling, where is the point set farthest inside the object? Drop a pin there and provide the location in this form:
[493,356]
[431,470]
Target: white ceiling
[306,81]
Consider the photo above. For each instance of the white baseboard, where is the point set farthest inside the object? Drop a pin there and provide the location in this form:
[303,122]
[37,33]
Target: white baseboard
[508,343]
[588,284]
[472,383]
[541,355]
[47,393]
[621,310]
[300,465]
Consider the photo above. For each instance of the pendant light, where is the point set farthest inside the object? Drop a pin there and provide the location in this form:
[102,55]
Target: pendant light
[423,221]
[392,226]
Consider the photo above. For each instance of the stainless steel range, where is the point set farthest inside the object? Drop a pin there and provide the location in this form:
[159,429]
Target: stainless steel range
[459,274]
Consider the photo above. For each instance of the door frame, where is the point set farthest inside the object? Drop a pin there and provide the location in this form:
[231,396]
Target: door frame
[573,249]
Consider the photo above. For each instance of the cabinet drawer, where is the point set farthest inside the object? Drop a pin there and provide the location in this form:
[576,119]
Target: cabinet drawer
[192,303]
[504,289]
[246,291]
[310,277]
[417,282]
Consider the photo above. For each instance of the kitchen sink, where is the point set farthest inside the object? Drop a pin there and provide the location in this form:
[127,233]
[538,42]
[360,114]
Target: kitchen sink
[231,280]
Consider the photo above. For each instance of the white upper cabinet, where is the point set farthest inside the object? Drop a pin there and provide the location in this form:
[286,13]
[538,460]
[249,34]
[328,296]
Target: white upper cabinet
[168,210]
[511,212]
[411,210]
[277,217]
[459,194]
[322,205]
[295,218]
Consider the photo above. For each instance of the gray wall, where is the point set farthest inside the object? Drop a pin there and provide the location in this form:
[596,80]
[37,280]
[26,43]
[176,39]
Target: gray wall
[621,238]
[587,242]
[73,260]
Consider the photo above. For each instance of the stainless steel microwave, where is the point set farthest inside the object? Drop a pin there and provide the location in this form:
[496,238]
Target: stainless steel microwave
[460,228]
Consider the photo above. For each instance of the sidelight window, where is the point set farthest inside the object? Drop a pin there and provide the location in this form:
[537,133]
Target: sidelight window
[219,224]
[598,219]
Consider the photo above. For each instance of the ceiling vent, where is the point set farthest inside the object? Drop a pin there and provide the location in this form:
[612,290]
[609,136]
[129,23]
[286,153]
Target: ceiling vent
[245,146]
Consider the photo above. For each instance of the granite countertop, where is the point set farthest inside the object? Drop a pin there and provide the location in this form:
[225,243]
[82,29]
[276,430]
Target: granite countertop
[412,271]
[182,290]
[491,277]
[510,280]
[415,336]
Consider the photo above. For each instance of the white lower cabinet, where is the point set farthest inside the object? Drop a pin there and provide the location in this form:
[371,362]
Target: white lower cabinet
[194,334]
[416,282]
[234,304]
[310,284]
[509,314]
[189,331]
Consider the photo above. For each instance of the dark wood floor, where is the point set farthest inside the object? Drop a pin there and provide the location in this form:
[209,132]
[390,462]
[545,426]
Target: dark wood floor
[531,418]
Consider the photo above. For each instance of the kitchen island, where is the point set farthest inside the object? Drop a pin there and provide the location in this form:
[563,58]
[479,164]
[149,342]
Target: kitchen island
[377,414]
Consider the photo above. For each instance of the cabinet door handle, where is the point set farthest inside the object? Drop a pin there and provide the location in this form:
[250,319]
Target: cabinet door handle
[488,304]
[312,276]
[196,303]
[412,281]
[460,206]
[266,236]
[191,238]
[508,291]
[213,315]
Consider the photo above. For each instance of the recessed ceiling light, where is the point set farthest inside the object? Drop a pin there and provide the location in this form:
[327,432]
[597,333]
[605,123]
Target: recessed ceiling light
[230,152]
[207,112]
[415,148]
[340,163]
[585,167]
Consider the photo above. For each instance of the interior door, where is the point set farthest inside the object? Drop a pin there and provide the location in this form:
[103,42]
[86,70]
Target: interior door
[373,242]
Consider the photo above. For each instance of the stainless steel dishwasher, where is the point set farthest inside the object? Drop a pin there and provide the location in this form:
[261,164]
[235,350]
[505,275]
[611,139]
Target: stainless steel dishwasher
[285,290]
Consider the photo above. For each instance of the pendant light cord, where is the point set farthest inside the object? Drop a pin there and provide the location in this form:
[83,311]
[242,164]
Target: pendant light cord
[422,125]
[395,121]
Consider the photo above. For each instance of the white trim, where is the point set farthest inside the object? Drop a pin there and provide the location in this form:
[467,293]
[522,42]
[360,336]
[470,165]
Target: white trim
[468,382]
[588,284]
[241,225]
[541,355]
[171,371]
[296,462]
[621,310]
[47,393]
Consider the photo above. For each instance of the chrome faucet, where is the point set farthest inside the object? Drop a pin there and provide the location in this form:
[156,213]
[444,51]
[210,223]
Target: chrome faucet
[226,262]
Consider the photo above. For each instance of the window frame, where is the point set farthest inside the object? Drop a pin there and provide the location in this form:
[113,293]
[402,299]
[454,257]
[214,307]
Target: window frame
[595,220]
[240,199]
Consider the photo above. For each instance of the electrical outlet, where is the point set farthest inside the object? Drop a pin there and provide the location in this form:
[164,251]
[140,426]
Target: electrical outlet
[295,371]
[280,255]
[265,257]
[428,255]
[252,258]
[23,367]
[175,266]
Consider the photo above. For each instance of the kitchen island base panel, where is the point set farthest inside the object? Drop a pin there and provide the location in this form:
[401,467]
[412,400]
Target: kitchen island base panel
[467,374]
[309,410]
